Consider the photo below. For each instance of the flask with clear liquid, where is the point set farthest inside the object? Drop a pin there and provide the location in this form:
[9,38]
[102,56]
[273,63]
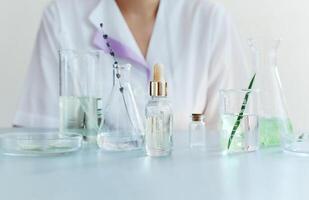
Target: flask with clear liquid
[274,122]
[123,128]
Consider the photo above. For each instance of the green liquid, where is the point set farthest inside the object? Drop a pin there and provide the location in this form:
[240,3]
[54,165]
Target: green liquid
[270,130]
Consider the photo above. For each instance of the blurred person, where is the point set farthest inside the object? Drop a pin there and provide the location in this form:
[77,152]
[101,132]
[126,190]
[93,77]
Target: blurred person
[194,39]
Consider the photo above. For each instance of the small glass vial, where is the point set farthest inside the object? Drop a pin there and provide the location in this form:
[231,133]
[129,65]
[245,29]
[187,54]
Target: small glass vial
[197,129]
[159,118]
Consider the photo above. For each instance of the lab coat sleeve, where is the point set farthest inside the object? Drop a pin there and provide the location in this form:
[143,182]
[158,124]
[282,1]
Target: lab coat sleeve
[227,67]
[39,102]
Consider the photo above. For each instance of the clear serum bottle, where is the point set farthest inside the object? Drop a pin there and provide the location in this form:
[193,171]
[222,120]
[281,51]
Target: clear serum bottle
[159,116]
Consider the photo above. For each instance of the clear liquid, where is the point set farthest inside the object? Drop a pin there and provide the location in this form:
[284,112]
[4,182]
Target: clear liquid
[246,137]
[197,137]
[120,141]
[159,135]
[82,115]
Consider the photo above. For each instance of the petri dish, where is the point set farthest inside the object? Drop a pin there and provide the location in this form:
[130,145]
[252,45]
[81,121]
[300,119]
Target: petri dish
[297,143]
[39,144]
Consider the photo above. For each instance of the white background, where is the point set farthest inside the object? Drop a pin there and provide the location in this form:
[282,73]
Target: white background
[287,19]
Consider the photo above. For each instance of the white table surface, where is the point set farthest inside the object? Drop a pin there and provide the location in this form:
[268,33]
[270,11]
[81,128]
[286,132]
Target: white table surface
[187,174]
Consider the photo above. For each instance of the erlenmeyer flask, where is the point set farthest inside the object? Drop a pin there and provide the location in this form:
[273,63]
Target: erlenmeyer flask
[274,121]
[123,128]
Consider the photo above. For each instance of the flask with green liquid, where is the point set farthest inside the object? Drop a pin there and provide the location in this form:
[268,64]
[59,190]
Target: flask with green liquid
[274,122]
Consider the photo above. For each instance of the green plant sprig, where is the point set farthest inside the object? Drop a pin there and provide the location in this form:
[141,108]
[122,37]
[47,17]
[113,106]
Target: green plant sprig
[241,113]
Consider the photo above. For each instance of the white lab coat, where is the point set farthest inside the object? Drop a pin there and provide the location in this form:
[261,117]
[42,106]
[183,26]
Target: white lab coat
[194,39]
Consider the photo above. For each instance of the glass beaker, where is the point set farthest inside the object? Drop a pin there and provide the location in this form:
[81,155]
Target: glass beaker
[275,123]
[81,92]
[123,127]
[239,131]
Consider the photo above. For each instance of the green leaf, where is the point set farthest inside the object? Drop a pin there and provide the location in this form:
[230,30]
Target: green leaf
[241,113]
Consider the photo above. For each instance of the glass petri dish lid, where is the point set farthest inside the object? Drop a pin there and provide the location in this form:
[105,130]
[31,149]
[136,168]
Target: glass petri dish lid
[38,143]
[297,143]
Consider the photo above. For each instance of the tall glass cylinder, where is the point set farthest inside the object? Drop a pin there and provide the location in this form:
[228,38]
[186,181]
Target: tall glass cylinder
[81,92]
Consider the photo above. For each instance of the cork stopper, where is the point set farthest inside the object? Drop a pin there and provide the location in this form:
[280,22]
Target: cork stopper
[198,117]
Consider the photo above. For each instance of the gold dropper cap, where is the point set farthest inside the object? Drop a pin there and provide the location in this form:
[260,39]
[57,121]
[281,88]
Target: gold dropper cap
[158,87]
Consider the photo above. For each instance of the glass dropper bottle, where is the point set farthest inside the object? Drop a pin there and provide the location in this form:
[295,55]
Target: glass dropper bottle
[159,117]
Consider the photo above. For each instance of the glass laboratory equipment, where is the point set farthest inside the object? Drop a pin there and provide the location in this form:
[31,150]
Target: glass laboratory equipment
[38,143]
[159,117]
[81,92]
[298,142]
[197,131]
[274,121]
[123,128]
[245,137]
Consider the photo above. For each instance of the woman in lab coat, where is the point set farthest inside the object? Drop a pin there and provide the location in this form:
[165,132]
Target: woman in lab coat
[194,39]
